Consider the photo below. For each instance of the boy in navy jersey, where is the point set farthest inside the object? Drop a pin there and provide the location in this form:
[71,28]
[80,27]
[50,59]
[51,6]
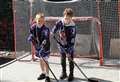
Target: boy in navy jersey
[66,30]
[39,36]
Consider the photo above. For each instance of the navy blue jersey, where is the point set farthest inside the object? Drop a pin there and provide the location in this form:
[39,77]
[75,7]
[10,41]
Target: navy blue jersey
[69,30]
[38,34]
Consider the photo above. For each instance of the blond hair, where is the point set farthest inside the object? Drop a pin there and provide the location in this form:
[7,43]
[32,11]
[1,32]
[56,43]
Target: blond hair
[39,15]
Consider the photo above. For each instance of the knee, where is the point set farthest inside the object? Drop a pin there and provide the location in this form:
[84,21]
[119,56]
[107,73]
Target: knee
[63,55]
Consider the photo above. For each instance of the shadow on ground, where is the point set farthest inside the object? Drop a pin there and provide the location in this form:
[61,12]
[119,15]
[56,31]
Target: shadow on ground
[4,60]
[81,80]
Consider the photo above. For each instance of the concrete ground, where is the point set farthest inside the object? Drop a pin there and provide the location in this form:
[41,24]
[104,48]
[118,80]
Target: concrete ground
[29,71]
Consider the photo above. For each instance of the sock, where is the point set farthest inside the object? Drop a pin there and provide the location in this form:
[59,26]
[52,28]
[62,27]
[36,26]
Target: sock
[43,72]
[47,74]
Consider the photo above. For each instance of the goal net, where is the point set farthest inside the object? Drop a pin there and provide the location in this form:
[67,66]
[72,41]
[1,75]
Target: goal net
[88,37]
[98,27]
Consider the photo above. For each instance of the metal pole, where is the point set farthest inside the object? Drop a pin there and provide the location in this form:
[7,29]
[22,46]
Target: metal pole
[14,23]
[119,15]
[31,6]
[30,22]
[100,34]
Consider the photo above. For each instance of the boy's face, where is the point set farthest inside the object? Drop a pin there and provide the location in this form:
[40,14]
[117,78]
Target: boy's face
[67,19]
[40,20]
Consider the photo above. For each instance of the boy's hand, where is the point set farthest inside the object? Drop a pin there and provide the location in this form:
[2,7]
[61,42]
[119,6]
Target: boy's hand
[39,50]
[30,37]
[43,43]
[37,46]
[62,35]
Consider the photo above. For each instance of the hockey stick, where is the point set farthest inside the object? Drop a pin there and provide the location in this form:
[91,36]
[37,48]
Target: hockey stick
[89,80]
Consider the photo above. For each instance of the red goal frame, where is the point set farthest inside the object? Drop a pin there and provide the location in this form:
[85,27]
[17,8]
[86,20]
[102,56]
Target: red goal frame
[78,19]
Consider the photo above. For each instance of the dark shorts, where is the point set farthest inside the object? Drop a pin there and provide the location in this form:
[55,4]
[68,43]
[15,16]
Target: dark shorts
[69,50]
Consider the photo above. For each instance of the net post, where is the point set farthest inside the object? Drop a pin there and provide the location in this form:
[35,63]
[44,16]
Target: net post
[33,52]
[119,14]
[100,46]
[100,35]
[14,26]
[30,22]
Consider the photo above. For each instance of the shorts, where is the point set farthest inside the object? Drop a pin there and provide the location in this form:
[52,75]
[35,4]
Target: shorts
[44,54]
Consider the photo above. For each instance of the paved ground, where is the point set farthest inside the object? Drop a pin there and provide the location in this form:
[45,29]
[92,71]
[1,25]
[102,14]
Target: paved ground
[28,71]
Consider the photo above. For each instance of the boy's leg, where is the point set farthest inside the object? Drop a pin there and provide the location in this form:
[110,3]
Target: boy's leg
[71,66]
[42,66]
[63,64]
[46,64]
[41,63]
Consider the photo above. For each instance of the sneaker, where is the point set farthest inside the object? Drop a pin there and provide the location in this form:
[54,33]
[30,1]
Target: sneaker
[70,78]
[63,76]
[47,79]
[42,76]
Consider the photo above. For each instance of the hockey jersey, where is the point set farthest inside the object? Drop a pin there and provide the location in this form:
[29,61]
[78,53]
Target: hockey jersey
[38,34]
[69,30]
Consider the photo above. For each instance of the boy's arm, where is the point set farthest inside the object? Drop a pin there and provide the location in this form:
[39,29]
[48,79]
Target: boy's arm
[46,36]
[31,37]
[57,26]
[73,36]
